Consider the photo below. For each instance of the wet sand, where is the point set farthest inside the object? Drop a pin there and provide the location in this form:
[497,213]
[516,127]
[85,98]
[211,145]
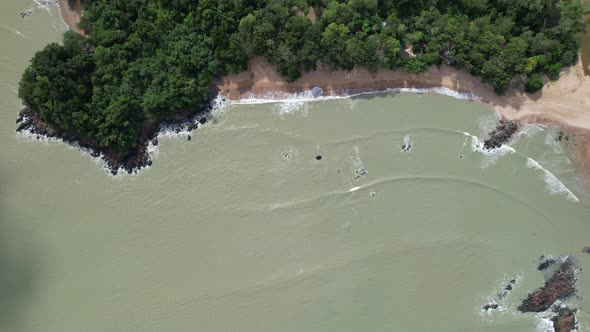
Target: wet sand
[71,14]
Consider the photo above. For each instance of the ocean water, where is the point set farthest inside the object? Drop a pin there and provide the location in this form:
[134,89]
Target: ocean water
[242,229]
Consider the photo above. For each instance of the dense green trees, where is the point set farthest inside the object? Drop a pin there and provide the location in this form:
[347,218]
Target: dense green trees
[504,42]
[146,60]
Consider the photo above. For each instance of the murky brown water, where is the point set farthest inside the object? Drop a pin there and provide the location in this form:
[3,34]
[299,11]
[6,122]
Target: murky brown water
[241,229]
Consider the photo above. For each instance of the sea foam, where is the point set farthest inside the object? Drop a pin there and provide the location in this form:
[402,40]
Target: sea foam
[553,184]
[298,102]
[490,156]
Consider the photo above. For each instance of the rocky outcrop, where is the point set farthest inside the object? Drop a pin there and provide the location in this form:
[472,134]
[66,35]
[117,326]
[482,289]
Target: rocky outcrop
[490,306]
[138,158]
[560,286]
[507,288]
[565,321]
[545,263]
[501,135]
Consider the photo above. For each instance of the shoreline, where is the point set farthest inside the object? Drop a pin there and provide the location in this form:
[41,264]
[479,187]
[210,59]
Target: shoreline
[564,103]
[71,15]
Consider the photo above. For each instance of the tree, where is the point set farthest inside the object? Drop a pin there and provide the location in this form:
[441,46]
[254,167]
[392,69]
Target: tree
[146,60]
[534,83]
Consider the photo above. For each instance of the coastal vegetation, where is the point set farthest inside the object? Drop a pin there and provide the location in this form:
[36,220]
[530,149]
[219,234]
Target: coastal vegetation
[142,62]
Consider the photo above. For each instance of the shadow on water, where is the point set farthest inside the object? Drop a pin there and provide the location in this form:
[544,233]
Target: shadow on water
[19,264]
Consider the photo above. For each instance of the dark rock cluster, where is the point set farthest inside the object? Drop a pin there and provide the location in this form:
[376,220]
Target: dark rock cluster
[501,135]
[507,288]
[565,321]
[545,263]
[131,163]
[490,306]
[560,286]
[561,136]
[26,13]
[359,173]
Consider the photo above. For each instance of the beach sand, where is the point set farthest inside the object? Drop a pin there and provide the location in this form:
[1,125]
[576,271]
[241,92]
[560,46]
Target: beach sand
[71,14]
[565,103]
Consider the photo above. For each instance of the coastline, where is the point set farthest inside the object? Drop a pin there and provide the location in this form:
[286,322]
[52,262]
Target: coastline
[564,103]
[71,15]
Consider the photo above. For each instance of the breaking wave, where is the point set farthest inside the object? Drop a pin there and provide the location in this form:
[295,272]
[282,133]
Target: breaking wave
[288,103]
[490,156]
[20,34]
[553,184]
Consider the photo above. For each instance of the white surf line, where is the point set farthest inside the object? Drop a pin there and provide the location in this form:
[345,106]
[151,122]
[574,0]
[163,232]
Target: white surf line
[552,183]
[294,98]
[299,101]
[305,96]
[62,18]
[14,30]
[45,5]
[490,156]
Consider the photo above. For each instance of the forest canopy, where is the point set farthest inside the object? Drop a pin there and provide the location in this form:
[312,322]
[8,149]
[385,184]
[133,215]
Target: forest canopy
[143,61]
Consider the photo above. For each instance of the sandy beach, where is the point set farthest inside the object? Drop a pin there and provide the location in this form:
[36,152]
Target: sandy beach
[565,103]
[71,14]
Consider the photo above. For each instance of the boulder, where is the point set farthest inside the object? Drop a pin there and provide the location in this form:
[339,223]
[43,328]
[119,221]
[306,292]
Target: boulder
[565,321]
[560,286]
[490,306]
[317,92]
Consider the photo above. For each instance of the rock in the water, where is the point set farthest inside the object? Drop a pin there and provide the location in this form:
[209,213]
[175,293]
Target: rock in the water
[586,250]
[507,289]
[545,264]
[560,286]
[565,321]
[490,306]
[155,141]
[24,126]
[317,92]
[501,135]
[359,173]
[318,157]
[189,137]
